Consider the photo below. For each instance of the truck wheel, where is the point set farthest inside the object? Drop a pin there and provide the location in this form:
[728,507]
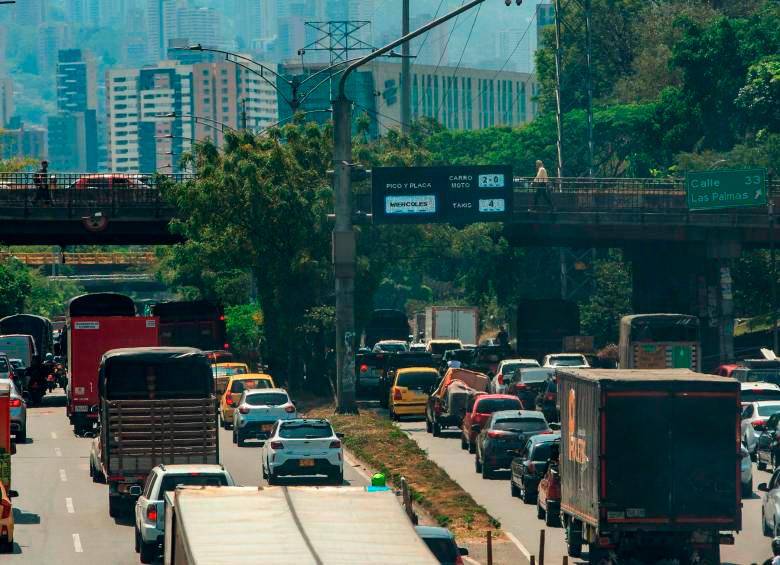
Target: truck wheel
[21,435]
[573,539]
[436,429]
[338,478]
[472,448]
[235,440]
[764,527]
[513,489]
[463,443]
[487,472]
[240,440]
[271,479]
[526,496]
[540,512]
[428,426]
[551,520]
[761,465]
[148,552]
[114,506]
[137,541]
[747,488]
[477,463]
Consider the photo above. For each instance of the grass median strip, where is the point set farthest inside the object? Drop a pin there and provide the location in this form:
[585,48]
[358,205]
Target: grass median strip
[382,446]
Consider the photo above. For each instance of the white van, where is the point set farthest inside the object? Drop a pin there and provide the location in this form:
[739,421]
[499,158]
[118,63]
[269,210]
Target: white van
[18,346]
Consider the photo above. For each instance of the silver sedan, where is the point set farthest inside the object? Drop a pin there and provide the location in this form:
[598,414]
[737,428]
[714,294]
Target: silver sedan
[18,413]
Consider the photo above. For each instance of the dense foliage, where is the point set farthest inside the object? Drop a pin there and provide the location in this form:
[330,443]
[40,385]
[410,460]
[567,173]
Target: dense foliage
[23,290]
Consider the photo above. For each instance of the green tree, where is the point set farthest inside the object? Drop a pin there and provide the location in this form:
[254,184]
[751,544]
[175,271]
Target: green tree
[15,287]
[244,325]
[600,316]
[759,99]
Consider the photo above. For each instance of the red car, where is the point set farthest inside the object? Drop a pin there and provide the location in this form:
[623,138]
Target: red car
[548,497]
[484,406]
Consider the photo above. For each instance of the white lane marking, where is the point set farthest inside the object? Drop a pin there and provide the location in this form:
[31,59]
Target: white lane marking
[57,452]
[53,435]
[63,476]
[519,545]
[77,544]
[69,506]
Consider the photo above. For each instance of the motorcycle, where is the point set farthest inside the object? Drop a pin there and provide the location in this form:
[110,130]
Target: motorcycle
[51,384]
[35,390]
[61,376]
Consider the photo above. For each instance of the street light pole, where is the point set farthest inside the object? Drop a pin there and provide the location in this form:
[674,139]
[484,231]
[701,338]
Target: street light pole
[406,86]
[343,239]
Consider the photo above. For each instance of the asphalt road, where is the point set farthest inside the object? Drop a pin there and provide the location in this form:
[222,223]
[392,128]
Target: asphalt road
[519,520]
[62,516]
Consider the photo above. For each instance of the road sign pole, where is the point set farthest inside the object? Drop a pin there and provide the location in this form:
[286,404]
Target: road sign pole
[771,209]
[406,87]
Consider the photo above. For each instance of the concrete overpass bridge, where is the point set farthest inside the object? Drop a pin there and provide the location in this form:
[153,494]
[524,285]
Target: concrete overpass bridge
[681,259]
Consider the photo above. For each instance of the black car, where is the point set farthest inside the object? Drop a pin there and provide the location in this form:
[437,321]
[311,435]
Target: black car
[530,465]
[503,434]
[768,446]
[530,385]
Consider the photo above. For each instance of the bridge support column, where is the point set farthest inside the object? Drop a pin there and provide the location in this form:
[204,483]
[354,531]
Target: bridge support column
[684,278]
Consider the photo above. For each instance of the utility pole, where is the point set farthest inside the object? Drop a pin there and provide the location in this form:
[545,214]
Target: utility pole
[406,86]
[344,252]
[558,69]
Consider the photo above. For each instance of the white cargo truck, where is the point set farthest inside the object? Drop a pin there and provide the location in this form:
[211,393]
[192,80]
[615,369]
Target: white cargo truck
[452,322]
[283,525]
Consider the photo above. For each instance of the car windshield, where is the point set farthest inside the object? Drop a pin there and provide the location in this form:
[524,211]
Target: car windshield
[440,348]
[754,376]
[239,386]
[768,409]
[267,399]
[392,347]
[520,425]
[170,482]
[421,380]
[509,368]
[490,405]
[534,376]
[443,549]
[229,371]
[305,430]
[759,394]
[567,361]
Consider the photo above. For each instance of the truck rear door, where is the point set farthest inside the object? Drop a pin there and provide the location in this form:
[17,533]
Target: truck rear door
[671,457]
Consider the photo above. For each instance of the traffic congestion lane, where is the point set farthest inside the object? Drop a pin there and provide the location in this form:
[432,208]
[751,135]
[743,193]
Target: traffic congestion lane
[62,516]
[519,520]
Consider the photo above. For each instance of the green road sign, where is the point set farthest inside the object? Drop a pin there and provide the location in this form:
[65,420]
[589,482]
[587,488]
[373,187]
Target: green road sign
[709,190]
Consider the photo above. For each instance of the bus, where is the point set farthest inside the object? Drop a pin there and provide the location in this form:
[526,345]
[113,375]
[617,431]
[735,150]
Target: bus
[193,323]
[660,341]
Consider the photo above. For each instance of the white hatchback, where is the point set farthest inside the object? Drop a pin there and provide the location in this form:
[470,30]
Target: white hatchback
[506,369]
[303,447]
[257,412]
[754,418]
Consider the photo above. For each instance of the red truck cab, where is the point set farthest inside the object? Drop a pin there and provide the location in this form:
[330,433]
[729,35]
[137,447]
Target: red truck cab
[484,406]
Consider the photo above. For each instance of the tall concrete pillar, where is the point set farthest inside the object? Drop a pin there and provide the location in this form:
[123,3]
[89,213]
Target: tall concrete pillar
[689,278]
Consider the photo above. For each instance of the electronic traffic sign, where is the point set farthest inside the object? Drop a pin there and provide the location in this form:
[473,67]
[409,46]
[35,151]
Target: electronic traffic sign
[457,195]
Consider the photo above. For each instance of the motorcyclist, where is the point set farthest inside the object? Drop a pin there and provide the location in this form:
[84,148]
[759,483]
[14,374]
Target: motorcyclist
[48,368]
[775,552]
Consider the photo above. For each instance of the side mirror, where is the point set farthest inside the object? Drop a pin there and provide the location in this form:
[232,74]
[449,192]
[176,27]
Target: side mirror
[463,551]
[134,490]
[555,426]
[340,435]
[12,494]
[762,487]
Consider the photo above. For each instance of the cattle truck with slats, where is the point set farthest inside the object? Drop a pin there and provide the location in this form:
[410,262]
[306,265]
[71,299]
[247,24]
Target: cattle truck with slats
[157,405]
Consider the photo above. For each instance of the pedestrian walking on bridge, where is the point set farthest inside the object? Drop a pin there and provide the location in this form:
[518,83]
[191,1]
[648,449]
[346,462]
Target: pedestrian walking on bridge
[542,184]
[41,180]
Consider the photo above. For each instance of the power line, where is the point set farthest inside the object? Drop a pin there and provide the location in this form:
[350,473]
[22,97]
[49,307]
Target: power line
[457,67]
[512,100]
[449,37]
[422,44]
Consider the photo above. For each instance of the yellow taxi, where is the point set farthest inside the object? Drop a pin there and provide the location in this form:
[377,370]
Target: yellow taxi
[6,519]
[410,390]
[223,372]
[235,387]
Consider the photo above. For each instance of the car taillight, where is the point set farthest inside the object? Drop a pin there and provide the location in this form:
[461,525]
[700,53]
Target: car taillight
[289,408]
[229,400]
[363,368]
[243,409]
[757,423]
[277,445]
[500,378]
[549,396]
[151,513]
[397,394]
[5,508]
[335,444]
[498,434]
[520,386]
[15,403]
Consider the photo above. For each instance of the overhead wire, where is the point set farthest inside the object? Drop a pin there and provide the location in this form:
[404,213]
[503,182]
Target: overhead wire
[516,93]
[457,67]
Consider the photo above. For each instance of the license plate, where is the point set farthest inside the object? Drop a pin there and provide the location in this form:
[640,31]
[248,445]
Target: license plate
[306,462]
[266,427]
[81,408]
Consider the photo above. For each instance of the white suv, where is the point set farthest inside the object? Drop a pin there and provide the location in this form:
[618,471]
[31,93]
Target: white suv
[257,412]
[150,507]
[303,447]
